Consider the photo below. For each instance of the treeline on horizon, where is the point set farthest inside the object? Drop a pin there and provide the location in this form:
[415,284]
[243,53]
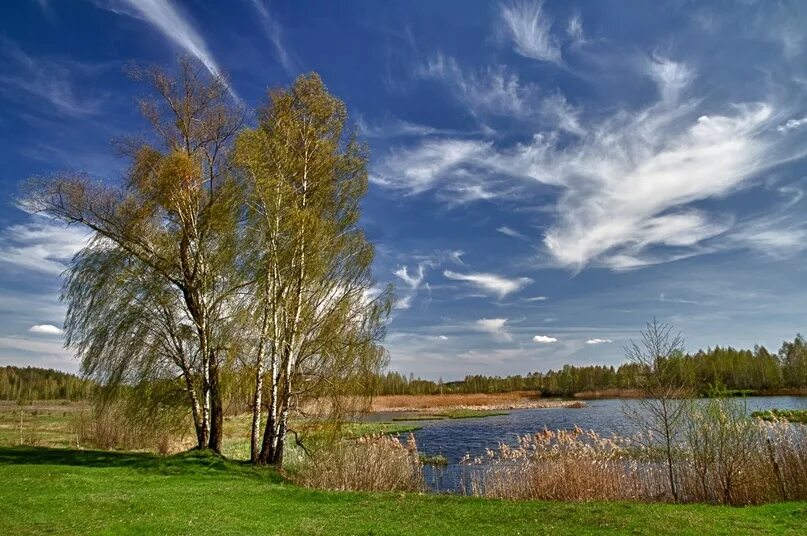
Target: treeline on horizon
[726,368]
[729,368]
[34,383]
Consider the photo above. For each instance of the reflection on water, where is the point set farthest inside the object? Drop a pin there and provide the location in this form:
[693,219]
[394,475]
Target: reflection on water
[454,438]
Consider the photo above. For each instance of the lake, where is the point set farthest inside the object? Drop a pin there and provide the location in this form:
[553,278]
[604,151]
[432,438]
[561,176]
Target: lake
[454,438]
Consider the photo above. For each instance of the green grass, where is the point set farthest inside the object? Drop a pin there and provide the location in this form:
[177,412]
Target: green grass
[55,491]
[44,423]
[433,459]
[790,415]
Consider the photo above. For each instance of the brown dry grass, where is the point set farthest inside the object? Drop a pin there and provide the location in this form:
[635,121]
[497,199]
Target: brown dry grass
[511,400]
[370,463]
[745,463]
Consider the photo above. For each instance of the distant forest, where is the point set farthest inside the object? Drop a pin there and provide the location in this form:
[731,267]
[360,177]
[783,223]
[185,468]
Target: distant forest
[32,383]
[726,368]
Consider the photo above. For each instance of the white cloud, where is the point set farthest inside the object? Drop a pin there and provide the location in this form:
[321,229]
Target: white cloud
[599,341]
[574,30]
[444,164]
[403,302]
[40,245]
[395,128]
[494,90]
[544,339]
[508,231]
[23,77]
[562,114]
[413,280]
[774,236]
[491,283]
[163,16]
[46,329]
[792,124]
[37,351]
[628,182]
[536,299]
[671,77]
[529,28]
[494,326]
[275,33]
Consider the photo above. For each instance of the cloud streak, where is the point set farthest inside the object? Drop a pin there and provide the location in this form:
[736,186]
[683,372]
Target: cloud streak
[40,246]
[529,28]
[173,25]
[275,33]
[490,283]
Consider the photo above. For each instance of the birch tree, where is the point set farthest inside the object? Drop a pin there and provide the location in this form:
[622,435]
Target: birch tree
[173,221]
[320,319]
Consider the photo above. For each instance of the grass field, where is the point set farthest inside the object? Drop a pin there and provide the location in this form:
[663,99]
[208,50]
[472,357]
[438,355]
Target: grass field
[51,424]
[60,491]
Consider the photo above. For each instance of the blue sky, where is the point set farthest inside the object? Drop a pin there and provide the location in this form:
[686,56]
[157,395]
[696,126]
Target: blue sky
[544,176]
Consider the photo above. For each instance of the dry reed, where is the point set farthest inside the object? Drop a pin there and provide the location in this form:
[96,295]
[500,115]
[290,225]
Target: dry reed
[370,463]
[737,462]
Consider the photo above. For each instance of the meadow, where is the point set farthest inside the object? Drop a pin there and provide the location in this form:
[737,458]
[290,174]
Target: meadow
[66,491]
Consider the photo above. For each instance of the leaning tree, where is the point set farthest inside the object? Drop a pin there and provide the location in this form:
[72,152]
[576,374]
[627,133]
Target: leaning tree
[149,296]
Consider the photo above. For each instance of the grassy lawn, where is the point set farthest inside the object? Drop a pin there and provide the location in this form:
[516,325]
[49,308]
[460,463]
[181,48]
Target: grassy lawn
[59,491]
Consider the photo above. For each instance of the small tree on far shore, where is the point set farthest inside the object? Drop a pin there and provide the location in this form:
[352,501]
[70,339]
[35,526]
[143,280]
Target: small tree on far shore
[662,409]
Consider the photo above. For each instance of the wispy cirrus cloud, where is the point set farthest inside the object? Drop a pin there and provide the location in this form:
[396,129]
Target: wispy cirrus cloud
[596,341]
[172,24]
[493,90]
[40,246]
[574,31]
[23,77]
[509,231]
[529,28]
[491,283]
[276,35]
[628,183]
[444,164]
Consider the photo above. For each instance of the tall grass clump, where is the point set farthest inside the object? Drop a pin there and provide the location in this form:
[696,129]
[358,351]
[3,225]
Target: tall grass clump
[370,463]
[111,426]
[565,465]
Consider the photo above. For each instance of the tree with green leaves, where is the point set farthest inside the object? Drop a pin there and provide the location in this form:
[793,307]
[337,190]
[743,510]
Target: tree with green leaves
[227,255]
[319,317]
[148,298]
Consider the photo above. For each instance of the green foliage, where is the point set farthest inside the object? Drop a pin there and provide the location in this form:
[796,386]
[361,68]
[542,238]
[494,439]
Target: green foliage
[789,415]
[32,383]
